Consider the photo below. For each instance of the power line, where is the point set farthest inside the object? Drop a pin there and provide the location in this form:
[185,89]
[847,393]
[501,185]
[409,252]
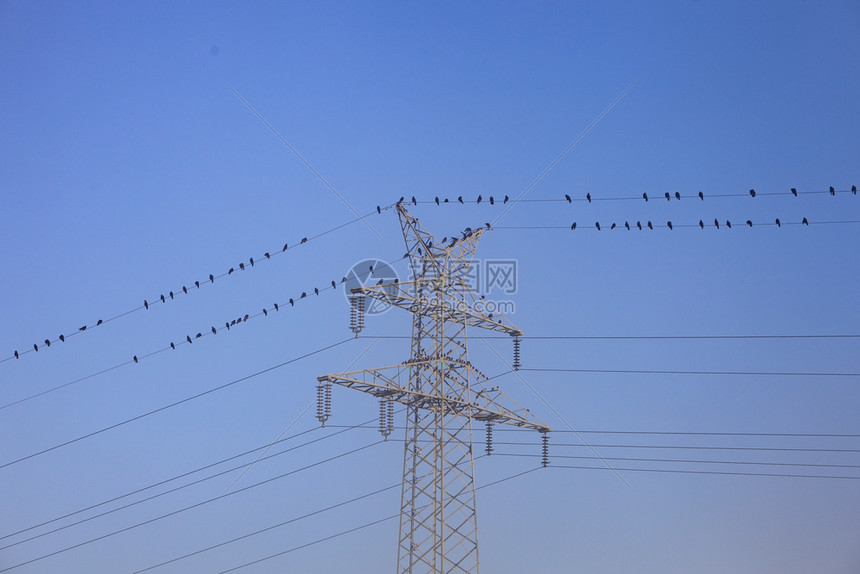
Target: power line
[713,472]
[645,337]
[188,340]
[196,505]
[182,401]
[357,528]
[172,295]
[691,447]
[666,372]
[614,225]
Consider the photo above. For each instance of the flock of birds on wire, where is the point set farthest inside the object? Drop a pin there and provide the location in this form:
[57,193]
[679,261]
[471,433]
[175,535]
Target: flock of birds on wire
[465,234]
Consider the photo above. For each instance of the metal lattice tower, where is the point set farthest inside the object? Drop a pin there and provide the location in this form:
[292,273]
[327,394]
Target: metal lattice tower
[443,394]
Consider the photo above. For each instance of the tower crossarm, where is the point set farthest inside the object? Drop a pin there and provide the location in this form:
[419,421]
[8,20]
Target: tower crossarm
[409,295]
[481,400]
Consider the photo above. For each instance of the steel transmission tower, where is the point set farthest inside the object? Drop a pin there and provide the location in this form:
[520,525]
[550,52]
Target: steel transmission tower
[443,394]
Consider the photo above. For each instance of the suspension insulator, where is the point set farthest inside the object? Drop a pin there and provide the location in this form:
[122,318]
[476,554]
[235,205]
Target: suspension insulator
[352,314]
[383,428]
[390,414]
[359,314]
[323,408]
[544,449]
[489,449]
[516,353]
[327,400]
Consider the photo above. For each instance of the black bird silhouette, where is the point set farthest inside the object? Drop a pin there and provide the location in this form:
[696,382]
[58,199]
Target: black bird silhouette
[588,197]
[211,278]
[135,358]
[371,268]
[245,318]
[333,285]
[832,191]
[627,225]
[645,196]
[285,247]
[506,199]
[752,193]
[650,226]
[401,199]
[316,291]
[805,222]
[231,271]
[343,279]
[437,200]
[242,266]
[701,224]
[35,347]
[567,197]
[778,224]
[251,261]
[267,255]
[303,295]
[276,307]
[197,284]
[487,225]
[198,335]
[172,346]
[378,209]
[479,199]
[99,322]
[445,200]
[62,338]
[185,289]
[233,322]
[460,198]
[292,303]
[265,312]
[794,191]
[716,223]
[16,354]
[188,338]
[162,299]
[728,224]
[639,225]
[214,332]
[669,225]
[145,304]
[749,222]
[611,227]
[854,189]
[573,226]
[47,342]
[668,197]
[414,201]
[304,240]
[677,195]
[380,282]
[84,328]
[227,324]
[701,196]
[597,225]
[171,294]
[492,201]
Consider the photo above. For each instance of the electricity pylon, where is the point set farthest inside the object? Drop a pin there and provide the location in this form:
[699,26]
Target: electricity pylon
[443,393]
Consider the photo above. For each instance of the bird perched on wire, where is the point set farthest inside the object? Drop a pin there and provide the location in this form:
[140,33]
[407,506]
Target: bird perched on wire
[588,197]
[35,347]
[304,240]
[437,200]
[378,209]
[242,266]
[627,225]
[185,289]
[639,225]
[749,222]
[62,338]
[414,201]
[276,307]
[188,338]
[701,196]
[752,193]
[805,221]
[645,196]
[230,272]
[479,199]
[316,291]
[292,303]
[597,225]
[47,342]
[778,224]
[668,197]
[135,358]
[145,304]
[701,224]
[211,278]
[573,226]
[669,225]
[492,201]
[460,198]
[716,223]
[506,200]
[650,226]
[728,224]
[567,197]
[162,298]
[677,195]
[794,191]
[832,191]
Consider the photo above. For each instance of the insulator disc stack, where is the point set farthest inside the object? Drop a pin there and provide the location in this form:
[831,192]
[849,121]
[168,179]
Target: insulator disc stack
[327,400]
[321,405]
[384,427]
[390,414]
[544,449]
[489,449]
[359,314]
[352,312]
[516,353]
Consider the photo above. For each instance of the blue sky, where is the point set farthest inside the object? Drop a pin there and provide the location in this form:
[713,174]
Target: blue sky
[129,168]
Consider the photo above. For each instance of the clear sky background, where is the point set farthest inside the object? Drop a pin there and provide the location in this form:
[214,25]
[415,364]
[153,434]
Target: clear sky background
[129,169]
